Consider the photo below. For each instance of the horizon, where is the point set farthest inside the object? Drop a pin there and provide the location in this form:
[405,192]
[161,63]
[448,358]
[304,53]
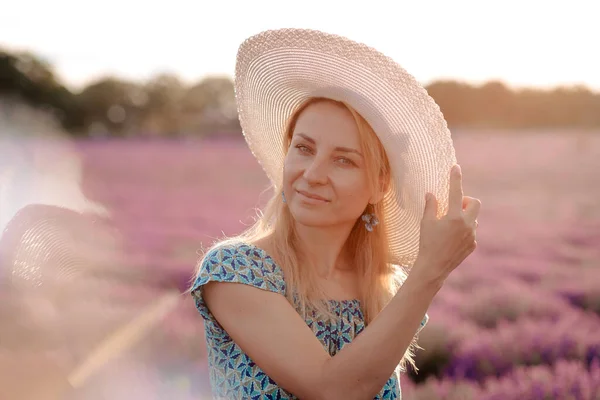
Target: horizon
[541,46]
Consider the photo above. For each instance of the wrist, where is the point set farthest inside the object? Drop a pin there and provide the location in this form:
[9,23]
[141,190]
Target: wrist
[423,274]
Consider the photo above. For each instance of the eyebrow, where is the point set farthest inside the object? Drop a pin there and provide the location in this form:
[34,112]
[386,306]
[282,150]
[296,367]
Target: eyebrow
[339,148]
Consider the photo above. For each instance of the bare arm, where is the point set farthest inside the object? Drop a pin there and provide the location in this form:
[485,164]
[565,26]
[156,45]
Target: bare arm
[269,330]
[361,369]
[272,333]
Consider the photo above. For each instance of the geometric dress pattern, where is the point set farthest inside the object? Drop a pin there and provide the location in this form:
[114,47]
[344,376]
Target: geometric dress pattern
[233,374]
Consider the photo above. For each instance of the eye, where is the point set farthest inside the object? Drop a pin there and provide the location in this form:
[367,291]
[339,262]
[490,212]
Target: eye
[302,148]
[346,161]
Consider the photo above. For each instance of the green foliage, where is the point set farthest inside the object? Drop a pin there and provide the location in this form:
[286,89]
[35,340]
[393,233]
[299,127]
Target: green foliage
[31,80]
[164,106]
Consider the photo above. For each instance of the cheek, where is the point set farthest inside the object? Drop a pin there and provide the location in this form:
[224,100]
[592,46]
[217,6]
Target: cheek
[294,161]
[288,165]
[291,169]
[352,186]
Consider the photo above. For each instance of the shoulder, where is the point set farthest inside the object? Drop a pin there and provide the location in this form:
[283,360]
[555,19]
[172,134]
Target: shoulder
[240,252]
[240,259]
[238,262]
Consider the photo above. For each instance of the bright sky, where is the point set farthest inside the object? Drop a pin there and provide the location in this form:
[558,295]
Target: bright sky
[522,42]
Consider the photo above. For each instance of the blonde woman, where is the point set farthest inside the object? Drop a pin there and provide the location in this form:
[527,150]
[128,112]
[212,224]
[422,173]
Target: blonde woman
[324,297]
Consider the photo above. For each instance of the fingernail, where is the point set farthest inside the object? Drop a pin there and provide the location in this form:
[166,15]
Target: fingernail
[458,170]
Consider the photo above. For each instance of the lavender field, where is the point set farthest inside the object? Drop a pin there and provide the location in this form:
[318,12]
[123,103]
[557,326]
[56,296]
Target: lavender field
[520,319]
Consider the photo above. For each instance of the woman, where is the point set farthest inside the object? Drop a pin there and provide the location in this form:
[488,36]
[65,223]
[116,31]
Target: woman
[313,301]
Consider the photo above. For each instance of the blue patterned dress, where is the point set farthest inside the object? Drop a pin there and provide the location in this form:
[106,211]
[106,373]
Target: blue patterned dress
[233,375]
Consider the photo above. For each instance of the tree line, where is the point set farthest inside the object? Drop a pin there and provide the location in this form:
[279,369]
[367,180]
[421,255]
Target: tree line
[165,106]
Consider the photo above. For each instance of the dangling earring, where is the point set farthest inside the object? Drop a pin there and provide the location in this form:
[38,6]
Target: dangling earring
[370,220]
[283,196]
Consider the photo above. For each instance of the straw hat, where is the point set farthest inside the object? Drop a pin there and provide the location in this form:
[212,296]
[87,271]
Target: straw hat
[277,70]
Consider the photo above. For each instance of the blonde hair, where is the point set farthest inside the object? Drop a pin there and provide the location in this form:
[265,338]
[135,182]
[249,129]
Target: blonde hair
[369,250]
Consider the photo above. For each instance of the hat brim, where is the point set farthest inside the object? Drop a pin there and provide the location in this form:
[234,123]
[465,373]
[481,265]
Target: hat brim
[277,70]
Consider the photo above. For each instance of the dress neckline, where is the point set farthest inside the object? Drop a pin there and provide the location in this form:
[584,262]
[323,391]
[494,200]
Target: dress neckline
[333,302]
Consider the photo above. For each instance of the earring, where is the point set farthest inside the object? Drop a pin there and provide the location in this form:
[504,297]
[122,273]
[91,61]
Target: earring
[283,196]
[370,220]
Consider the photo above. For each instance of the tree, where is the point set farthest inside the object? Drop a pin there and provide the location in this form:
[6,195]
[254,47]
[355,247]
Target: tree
[113,106]
[30,79]
[162,113]
[210,105]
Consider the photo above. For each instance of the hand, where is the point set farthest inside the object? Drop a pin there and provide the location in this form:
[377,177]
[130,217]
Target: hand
[445,242]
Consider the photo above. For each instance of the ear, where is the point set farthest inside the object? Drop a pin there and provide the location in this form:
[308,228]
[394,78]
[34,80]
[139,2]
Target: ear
[380,192]
[375,199]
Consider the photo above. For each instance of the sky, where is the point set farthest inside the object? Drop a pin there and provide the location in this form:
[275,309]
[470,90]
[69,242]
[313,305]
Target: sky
[522,43]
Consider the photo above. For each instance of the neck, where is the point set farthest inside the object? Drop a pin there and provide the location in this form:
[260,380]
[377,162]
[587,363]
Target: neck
[324,247]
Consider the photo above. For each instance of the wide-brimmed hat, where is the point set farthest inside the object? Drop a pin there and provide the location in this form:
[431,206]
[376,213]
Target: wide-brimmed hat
[277,70]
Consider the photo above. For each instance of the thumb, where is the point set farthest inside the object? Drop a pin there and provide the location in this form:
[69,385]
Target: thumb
[430,206]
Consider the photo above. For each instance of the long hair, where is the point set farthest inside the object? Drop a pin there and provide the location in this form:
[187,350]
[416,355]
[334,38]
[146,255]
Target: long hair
[369,250]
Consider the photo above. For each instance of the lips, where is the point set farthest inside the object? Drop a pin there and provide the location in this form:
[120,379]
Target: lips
[312,195]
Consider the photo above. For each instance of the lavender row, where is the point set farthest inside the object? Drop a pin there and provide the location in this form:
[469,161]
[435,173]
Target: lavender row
[459,349]
[564,380]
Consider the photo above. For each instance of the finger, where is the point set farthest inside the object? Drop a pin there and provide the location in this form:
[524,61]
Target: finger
[472,210]
[455,195]
[431,207]
[466,200]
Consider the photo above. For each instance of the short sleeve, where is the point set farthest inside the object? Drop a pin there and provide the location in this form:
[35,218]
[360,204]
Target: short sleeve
[237,263]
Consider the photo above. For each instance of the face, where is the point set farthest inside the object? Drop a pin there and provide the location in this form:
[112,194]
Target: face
[325,175]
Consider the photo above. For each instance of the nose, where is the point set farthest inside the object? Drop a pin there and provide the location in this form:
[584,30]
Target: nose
[316,172]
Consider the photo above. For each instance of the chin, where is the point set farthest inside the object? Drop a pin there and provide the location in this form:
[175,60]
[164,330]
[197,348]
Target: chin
[312,217]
